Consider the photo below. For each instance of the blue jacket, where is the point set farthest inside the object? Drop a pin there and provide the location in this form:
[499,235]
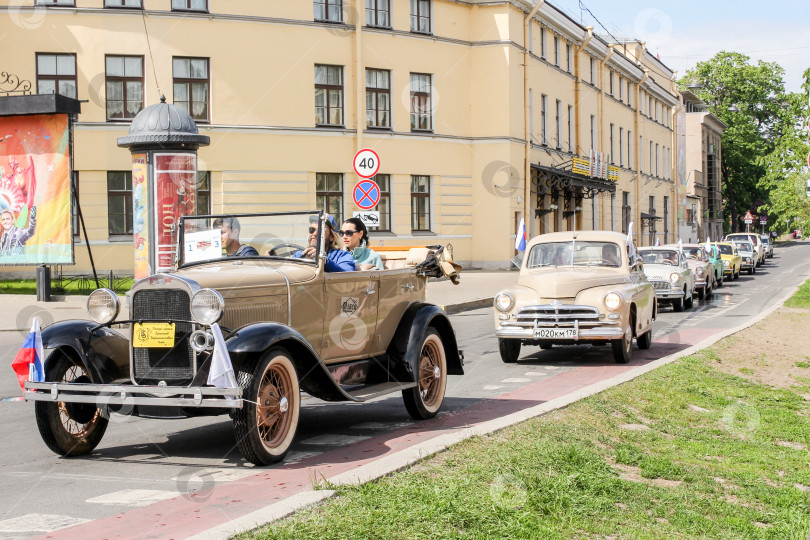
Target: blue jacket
[337,260]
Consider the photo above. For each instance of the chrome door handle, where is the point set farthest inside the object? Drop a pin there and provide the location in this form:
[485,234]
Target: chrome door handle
[407,287]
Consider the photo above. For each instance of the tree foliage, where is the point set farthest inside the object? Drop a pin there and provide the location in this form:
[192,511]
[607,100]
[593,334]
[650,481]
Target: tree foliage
[762,131]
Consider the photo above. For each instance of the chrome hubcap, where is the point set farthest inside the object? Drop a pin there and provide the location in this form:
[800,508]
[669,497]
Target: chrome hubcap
[283,405]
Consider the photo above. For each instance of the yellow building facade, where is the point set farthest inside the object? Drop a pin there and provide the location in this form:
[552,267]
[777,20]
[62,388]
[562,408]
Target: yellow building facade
[462,101]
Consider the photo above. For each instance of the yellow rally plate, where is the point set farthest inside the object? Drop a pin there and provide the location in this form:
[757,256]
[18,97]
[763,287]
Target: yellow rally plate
[153,335]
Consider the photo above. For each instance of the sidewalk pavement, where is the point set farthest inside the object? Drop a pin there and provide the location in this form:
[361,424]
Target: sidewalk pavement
[475,290]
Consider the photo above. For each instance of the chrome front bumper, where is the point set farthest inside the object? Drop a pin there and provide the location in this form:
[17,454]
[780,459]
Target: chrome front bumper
[598,333]
[103,395]
[670,294]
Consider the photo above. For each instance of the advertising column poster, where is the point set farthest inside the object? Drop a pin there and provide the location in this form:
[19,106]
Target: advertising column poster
[175,196]
[35,190]
[140,215]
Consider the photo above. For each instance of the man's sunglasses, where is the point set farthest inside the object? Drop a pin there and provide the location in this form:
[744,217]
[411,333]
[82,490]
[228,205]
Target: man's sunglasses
[312,229]
[346,233]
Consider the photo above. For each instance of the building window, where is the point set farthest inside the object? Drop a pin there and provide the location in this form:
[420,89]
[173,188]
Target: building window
[612,148]
[652,221]
[612,211]
[329,194]
[666,220]
[124,86]
[378,98]
[328,95]
[203,193]
[378,13]
[328,10]
[420,203]
[420,16]
[569,58]
[189,5]
[629,147]
[56,74]
[543,120]
[629,93]
[621,147]
[119,203]
[421,104]
[626,212]
[542,42]
[656,160]
[55,3]
[191,85]
[593,133]
[641,153]
[124,3]
[384,206]
[557,51]
[593,71]
[571,142]
[612,76]
[558,125]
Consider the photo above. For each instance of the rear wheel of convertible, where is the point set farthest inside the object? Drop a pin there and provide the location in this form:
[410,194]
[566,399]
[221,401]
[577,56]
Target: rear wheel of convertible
[510,350]
[424,400]
[265,429]
[69,429]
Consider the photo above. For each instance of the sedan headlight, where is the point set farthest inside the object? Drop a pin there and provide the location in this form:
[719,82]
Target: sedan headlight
[613,301]
[674,278]
[504,301]
[700,271]
[103,306]
[727,264]
[207,306]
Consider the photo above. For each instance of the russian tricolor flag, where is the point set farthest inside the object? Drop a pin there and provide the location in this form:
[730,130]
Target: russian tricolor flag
[30,353]
[520,239]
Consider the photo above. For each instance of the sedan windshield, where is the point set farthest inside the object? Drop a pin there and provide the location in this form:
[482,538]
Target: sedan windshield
[660,256]
[725,249]
[744,246]
[575,253]
[694,253]
[278,236]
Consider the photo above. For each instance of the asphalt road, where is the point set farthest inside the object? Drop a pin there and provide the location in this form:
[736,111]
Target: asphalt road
[141,462]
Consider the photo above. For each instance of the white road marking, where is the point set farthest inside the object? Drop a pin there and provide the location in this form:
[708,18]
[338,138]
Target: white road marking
[38,522]
[493,386]
[535,374]
[516,380]
[134,497]
[335,439]
[295,457]
[217,475]
[380,425]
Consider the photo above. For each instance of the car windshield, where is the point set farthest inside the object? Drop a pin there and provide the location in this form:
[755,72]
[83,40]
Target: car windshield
[765,240]
[276,236]
[725,249]
[744,246]
[659,256]
[575,253]
[694,253]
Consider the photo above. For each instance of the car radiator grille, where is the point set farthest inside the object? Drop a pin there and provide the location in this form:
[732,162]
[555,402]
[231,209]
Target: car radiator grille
[661,285]
[175,366]
[559,315]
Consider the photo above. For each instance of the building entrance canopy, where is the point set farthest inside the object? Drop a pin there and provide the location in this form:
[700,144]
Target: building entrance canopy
[557,181]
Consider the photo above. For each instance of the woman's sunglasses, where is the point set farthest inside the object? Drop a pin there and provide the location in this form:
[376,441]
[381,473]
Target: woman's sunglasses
[346,233]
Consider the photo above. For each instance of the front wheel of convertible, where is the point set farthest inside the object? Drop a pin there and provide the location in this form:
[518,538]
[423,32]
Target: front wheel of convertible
[265,429]
[424,400]
[69,429]
[622,348]
[510,350]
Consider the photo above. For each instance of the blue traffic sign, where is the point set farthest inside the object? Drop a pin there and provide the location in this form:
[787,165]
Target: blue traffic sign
[366,194]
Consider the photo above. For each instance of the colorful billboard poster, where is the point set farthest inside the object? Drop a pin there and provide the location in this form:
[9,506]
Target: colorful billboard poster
[175,196]
[35,199]
[140,215]
[680,143]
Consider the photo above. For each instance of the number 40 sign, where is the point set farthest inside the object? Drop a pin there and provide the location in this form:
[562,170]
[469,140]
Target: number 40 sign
[366,163]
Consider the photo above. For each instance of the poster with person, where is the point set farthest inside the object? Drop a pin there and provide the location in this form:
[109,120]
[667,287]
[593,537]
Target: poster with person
[35,197]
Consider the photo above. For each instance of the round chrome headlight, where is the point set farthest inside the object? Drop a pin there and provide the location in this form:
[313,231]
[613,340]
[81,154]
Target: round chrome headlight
[700,271]
[674,278]
[103,306]
[727,264]
[207,306]
[613,301]
[504,301]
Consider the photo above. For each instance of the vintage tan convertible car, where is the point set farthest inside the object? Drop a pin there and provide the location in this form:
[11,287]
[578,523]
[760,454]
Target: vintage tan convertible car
[577,288]
[286,325]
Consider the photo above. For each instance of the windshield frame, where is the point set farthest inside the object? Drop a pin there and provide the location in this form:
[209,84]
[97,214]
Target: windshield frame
[313,262]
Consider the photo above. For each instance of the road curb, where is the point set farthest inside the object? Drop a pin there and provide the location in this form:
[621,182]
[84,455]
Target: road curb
[405,458]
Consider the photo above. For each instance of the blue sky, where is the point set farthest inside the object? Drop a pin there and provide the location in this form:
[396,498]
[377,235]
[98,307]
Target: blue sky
[684,32]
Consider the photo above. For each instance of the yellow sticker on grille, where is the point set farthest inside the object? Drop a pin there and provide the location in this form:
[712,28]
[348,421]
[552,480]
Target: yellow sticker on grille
[158,335]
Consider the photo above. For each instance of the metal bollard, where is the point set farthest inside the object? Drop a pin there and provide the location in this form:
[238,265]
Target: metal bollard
[43,284]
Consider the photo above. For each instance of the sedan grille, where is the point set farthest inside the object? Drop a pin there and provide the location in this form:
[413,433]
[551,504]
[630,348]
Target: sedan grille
[173,365]
[661,285]
[557,315]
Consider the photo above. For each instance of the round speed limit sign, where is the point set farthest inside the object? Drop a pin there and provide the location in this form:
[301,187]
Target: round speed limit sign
[366,163]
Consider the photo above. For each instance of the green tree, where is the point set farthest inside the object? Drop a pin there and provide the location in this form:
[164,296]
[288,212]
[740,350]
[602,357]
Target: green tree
[749,98]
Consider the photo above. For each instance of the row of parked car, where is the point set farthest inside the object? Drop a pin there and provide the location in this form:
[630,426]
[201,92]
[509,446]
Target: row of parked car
[595,287]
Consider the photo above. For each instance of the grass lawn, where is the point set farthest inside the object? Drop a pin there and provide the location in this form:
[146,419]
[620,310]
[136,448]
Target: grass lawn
[686,451]
[802,297]
[29,286]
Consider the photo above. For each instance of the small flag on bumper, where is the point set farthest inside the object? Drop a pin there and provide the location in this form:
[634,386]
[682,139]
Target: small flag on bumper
[520,239]
[28,364]
[221,372]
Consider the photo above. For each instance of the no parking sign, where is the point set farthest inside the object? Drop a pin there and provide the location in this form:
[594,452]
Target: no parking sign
[366,194]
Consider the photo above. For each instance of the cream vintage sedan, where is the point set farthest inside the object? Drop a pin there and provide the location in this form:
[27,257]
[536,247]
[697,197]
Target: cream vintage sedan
[281,321]
[577,287]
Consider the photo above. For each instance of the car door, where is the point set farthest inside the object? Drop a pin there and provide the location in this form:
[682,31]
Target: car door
[350,314]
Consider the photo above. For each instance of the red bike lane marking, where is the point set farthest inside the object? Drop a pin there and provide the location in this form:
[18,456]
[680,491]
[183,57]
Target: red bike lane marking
[187,515]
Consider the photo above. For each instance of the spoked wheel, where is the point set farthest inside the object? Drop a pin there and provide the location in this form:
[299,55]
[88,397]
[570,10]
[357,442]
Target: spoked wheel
[265,429]
[424,400]
[509,349]
[622,348]
[69,429]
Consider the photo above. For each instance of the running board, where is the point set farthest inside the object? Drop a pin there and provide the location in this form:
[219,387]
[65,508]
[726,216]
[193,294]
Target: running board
[365,393]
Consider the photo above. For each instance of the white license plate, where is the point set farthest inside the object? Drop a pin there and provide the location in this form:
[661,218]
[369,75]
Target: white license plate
[555,333]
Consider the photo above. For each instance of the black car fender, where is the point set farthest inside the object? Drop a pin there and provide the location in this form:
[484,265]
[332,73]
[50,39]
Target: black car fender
[101,350]
[313,376]
[407,342]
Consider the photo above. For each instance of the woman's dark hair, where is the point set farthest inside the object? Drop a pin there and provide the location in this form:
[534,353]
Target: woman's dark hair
[360,226]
